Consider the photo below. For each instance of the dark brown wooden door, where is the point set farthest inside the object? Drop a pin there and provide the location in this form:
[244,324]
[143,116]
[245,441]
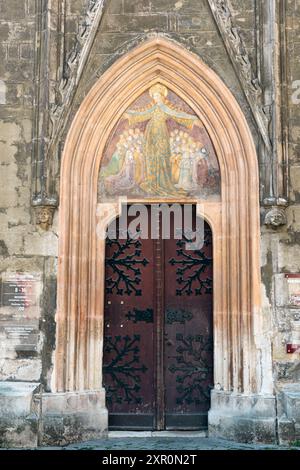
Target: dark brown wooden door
[158,357]
[188,346]
[129,336]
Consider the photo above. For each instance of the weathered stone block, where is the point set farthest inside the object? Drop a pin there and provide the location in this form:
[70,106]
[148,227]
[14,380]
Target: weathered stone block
[109,43]
[3,249]
[22,70]
[293,218]
[12,10]
[141,23]
[4,31]
[289,253]
[207,40]
[10,132]
[295,182]
[164,6]
[14,95]
[27,51]
[31,5]
[75,7]
[289,421]
[19,414]
[14,240]
[22,32]
[281,290]
[41,243]
[72,417]
[20,369]
[244,418]
[294,152]
[7,151]
[203,22]
[116,7]
[286,430]
[133,6]
[8,194]
[13,51]
[3,51]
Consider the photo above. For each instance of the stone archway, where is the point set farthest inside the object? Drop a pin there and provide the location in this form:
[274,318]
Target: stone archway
[242,399]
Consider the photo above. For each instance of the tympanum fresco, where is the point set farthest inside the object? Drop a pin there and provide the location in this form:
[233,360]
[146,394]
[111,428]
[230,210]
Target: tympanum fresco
[159,148]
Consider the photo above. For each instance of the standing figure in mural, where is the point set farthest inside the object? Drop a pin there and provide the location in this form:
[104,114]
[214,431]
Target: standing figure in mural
[157,150]
[124,172]
[187,178]
[125,180]
[201,167]
[187,157]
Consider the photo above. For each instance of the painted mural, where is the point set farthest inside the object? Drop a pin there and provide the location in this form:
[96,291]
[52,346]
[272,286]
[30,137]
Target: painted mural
[159,149]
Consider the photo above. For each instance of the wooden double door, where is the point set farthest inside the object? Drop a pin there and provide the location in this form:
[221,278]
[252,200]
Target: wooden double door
[158,344]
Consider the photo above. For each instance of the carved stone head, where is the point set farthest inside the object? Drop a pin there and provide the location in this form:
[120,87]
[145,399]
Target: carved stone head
[275,217]
[44,216]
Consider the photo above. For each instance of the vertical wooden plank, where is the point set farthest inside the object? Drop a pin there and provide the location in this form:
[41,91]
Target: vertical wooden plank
[188,353]
[159,288]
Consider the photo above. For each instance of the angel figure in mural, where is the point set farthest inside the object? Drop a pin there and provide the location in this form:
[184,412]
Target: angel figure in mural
[156,148]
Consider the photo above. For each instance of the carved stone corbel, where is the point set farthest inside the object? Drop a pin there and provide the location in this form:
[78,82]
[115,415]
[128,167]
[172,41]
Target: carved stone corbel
[44,216]
[275,216]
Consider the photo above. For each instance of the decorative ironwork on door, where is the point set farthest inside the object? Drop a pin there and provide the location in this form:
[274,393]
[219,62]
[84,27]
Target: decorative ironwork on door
[158,345]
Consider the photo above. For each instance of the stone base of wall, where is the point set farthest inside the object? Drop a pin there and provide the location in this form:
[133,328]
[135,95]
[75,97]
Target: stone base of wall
[19,414]
[72,417]
[29,419]
[242,418]
[289,414]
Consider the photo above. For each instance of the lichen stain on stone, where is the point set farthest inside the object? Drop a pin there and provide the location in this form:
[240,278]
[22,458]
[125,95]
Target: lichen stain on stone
[267,273]
[178,5]
[48,328]
[3,249]
[297,197]
[3,91]
[294,238]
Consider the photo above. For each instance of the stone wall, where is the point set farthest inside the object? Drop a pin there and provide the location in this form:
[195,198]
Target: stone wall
[127,23]
[26,248]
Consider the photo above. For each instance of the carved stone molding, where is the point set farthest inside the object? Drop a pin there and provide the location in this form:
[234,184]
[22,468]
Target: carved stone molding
[55,86]
[77,59]
[240,59]
[234,220]
[74,68]
[55,89]
[49,55]
[273,60]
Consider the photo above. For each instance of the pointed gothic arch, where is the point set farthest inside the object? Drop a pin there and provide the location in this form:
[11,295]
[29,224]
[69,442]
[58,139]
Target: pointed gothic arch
[234,221]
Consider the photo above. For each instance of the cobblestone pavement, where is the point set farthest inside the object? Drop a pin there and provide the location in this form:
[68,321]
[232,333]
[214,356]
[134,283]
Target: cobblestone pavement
[175,442]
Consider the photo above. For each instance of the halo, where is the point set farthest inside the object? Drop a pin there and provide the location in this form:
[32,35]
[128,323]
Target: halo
[158,88]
